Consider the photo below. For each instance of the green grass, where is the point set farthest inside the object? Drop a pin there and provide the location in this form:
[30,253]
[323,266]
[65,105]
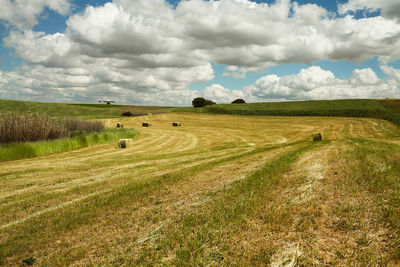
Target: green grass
[34,149]
[382,109]
[122,107]
[393,104]
[97,105]
[81,111]
[374,167]
[57,110]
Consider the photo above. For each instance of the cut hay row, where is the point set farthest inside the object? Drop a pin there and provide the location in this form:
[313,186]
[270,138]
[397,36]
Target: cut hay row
[105,155]
[161,176]
[88,183]
[121,177]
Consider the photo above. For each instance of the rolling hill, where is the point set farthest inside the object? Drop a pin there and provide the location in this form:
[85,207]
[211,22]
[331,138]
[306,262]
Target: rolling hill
[370,108]
[82,111]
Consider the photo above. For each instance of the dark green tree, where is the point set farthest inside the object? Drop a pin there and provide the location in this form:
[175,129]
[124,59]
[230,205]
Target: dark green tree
[238,101]
[201,102]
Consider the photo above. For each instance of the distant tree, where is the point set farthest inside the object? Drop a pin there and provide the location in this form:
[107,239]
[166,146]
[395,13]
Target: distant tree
[209,102]
[238,101]
[127,114]
[201,102]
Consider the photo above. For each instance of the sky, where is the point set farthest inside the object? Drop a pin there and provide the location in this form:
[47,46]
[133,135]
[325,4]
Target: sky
[167,52]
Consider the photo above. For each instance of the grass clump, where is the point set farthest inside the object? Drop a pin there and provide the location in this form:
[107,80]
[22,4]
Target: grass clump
[29,261]
[32,127]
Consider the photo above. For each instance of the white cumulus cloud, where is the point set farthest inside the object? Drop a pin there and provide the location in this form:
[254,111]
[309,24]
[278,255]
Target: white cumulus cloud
[388,8]
[220,94]
[146,51]
[24,14]
[316,83]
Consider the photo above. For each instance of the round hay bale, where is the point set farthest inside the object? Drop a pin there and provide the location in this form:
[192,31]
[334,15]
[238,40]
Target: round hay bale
[176,124]
[317,137]
[124,143]
[146,124]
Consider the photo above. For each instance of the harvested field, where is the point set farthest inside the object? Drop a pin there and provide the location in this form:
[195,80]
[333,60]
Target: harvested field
[221,190]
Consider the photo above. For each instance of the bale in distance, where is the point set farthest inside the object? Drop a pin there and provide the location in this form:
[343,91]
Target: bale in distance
[146,124]
[317,137]
[120,125]
[123,143]
[176,124]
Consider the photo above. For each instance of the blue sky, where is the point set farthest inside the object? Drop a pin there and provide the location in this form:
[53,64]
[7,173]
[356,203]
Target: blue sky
[340,69]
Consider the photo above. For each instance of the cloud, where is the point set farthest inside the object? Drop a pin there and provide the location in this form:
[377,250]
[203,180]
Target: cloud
[364,77]
[392,73]
[220,94]
[388,8]
[23,14]
[146,51]
[89,83]
[151,34]
[236,72]
[316,83]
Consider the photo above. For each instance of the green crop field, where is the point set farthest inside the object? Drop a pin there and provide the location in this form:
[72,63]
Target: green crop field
[219,190]
[369,108]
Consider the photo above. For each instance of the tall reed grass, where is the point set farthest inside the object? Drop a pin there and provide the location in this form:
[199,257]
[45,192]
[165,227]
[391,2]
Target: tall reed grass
[16,128]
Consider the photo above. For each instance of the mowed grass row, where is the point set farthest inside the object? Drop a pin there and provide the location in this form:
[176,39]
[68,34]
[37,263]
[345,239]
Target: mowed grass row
[98,171]
[196,237]
[60,223]
[374,167]
[141,197]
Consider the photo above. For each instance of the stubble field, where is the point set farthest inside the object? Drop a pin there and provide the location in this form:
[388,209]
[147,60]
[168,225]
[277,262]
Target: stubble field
[220,190]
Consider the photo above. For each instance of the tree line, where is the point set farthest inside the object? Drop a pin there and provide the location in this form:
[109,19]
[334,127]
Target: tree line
[202,102]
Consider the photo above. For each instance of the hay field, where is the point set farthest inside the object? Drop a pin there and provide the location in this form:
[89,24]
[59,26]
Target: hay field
[218,190]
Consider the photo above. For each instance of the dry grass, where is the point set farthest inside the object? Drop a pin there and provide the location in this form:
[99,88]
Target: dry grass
[32,127]
[113,207]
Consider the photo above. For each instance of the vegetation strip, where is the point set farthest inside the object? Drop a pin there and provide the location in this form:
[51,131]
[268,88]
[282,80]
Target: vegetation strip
[41,148]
